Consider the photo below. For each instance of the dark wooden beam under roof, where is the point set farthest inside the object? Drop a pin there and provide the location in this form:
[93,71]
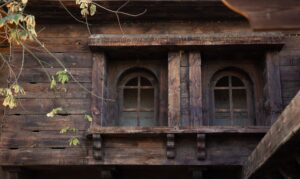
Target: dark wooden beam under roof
[279,147]
[213,39]
[268,14]
[157,10]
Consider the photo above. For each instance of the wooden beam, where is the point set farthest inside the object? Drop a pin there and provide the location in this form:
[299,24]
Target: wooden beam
[286,128]
[174,88]
[195,87]
[274,98]
[98,89]
[144,40]
[268,14]
[177,130]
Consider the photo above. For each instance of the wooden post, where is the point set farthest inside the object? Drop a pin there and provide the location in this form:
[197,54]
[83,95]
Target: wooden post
[273,87]
[174,88]
[98,89]
[195,87]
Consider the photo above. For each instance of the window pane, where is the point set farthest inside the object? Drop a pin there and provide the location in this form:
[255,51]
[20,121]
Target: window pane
[147,98]
[240,118]
[132,82]
[239,98]
[129,119]
[145,82]
[147,119]
[236,82]
[221,99]
[130,98]
[222,118]
[223,82]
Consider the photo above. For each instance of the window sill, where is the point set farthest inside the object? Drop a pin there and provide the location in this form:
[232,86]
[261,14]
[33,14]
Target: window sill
[180,130]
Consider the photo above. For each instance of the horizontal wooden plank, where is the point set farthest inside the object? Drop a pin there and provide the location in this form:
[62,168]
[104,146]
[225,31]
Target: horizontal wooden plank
[68,91]
[39,139]
[57,45]
[177,130]
[40,156]
[290,73]
[43,106]
[44,123]
[39,75]
[286,128]
[140,40]
[69,60]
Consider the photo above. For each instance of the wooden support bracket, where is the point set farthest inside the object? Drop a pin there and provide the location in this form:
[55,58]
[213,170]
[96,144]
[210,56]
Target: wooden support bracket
[171,146]
[97,147]
[12,172]
[201,147]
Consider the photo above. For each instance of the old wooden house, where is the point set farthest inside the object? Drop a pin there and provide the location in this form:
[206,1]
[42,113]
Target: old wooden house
[185,90]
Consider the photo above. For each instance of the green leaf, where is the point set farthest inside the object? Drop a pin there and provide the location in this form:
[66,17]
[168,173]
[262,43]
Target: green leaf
[54,112]
[10,101]
[88,118]
[84,12]
[74,141]
[62,76]
[93,9]
[18,89]
[53,83]
[64,130]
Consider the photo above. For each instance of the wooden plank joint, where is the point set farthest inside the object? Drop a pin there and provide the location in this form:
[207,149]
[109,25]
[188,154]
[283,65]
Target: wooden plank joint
[171,146]
[97,147]
[201,147]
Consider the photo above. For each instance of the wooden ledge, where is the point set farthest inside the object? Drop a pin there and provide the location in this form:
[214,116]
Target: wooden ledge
[172,130]
[210,39]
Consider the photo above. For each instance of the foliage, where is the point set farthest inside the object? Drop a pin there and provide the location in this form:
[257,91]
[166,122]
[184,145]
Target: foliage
[87,8]
[54,112]
[9,95]
[88,118]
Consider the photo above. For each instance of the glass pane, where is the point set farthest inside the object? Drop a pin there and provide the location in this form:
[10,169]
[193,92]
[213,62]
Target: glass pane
[239,98]
[236,82]
[222,99]
[145,82]
[132,82]
[147,119]
[147,98]
[222,119]
[223,82]
[130,98]
[129,119]
[240,118]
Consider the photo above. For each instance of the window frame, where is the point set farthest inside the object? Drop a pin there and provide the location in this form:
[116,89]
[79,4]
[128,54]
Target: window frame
[249,95]
[138,73]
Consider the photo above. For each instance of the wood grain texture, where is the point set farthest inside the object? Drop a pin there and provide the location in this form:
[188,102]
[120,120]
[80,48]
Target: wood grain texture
[140,40]
[268,14]
[285,128]
[273,82]
[174,88]
[195,82]
[98,89]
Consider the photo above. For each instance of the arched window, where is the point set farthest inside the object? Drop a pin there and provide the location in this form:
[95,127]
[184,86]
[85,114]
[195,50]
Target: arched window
[137,94]
[232,102]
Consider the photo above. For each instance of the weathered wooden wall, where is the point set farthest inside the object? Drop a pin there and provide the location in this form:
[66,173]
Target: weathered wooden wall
[29,137]
[290,68]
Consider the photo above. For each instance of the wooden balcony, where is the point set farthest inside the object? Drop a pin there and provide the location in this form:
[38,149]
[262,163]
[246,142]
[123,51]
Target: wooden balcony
[201,146]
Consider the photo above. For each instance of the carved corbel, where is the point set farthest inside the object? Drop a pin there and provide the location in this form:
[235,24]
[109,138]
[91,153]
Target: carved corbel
[201,147]
[97,147]
[170,146]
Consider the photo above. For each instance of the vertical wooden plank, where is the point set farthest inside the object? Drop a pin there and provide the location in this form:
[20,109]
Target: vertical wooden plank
[184,91]
[195,88]
[274,97]
[174,88]
[98,89]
